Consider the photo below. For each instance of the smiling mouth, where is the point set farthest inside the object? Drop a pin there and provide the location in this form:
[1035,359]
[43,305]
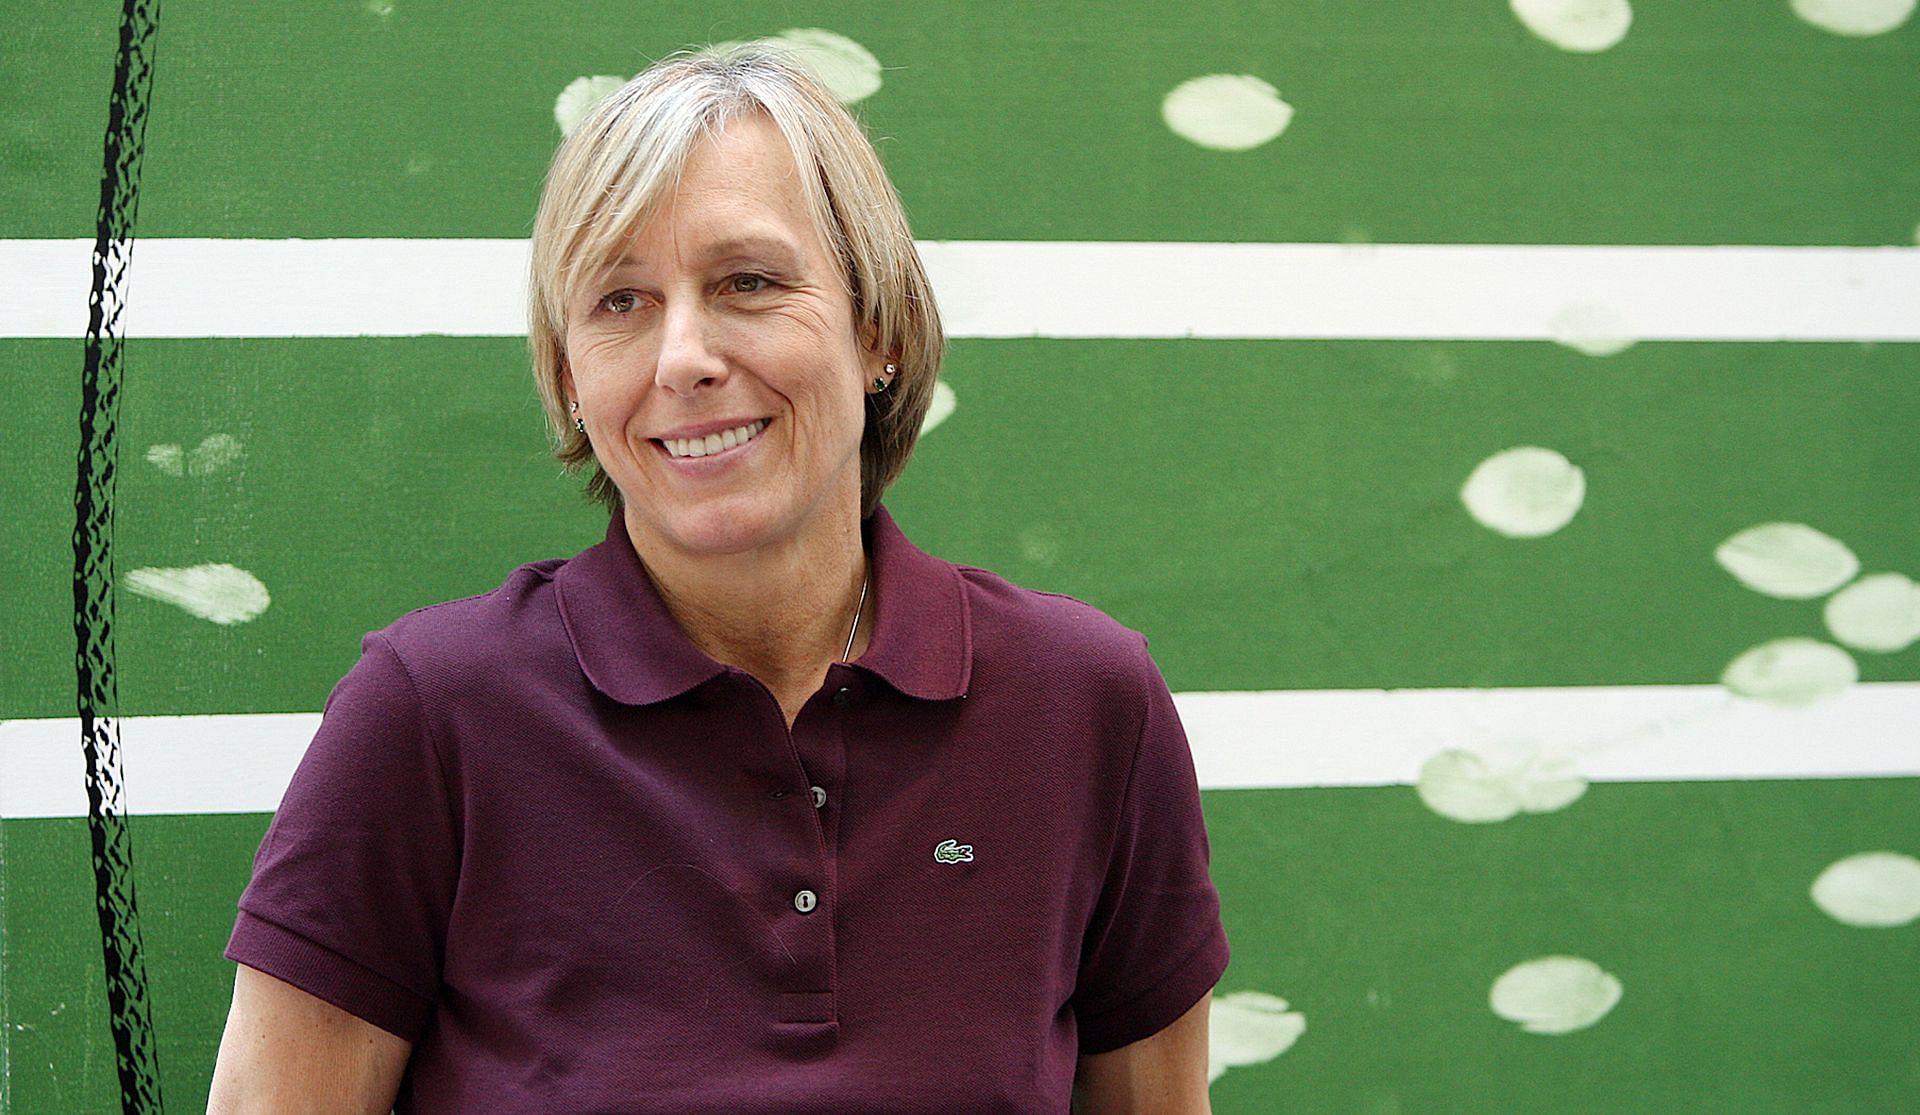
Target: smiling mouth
[712,443]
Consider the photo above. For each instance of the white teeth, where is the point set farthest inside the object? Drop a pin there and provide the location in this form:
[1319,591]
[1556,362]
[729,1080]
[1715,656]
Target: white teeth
[713,443]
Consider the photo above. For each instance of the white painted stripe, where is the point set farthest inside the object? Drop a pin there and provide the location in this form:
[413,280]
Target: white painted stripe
[169,764]
[1640,733]
[334,288]
[241,764]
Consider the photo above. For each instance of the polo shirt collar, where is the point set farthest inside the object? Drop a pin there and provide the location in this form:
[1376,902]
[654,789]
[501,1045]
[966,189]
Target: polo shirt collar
[632,650]
[923,644]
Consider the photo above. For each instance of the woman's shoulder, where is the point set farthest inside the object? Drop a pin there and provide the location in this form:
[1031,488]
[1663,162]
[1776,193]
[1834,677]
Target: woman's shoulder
[455,637]
[1012,620]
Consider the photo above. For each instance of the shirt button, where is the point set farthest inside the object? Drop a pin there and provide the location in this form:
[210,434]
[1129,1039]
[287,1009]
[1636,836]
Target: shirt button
[819,798]
[842,695]
[805,901]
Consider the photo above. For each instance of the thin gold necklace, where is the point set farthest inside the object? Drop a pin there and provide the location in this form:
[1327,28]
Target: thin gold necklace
[856,616]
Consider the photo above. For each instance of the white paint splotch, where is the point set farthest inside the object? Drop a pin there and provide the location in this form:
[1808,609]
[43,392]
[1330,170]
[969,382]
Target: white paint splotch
[1555,994]
[1877,613]
[942,407]
[1524,492]
[579,97]
[1226,112]
[1857,18]
[1791,672]
[1792,561]
[1591,328]
[1871,890]
[1498,780]
[1581,26]
[1249,1028]
[217,592]
[848,70]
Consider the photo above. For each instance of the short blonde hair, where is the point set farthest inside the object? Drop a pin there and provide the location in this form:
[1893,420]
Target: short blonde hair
[623,159]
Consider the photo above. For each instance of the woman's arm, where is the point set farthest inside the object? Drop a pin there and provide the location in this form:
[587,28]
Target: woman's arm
[287,1051]
[1165,1074]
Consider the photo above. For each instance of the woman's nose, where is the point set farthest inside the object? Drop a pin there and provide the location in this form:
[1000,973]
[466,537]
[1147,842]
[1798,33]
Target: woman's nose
[688,359]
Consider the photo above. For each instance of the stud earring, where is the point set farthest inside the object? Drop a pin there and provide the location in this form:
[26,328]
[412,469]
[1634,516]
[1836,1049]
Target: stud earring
[881,384]
[578,423]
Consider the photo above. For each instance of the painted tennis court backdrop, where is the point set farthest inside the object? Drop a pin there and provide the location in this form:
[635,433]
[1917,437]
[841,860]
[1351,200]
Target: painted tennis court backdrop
[1500,417]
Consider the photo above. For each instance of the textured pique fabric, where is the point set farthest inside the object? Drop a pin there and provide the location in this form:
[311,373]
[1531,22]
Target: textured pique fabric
[581,865]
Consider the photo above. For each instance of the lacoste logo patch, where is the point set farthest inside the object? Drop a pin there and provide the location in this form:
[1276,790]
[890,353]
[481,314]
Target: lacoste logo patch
[952,851]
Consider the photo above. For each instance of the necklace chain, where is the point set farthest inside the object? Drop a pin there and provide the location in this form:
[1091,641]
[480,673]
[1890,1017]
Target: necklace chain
[857,608]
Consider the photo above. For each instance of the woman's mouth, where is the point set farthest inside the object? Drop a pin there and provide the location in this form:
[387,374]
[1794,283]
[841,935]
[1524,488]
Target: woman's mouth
[713,443]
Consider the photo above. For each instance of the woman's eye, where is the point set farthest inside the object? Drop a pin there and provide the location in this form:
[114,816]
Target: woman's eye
[621,302]
[747,284]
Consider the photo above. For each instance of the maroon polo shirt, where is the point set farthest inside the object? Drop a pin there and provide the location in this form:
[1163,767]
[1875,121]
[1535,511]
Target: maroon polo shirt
[584,867]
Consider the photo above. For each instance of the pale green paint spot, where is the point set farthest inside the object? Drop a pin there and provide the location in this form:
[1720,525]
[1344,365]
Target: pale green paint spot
[215,452]
[1880,613]
[1792,561]
[1498,780]
[1249,1028]
[219,593]
[938,411]
[1524,492]
[1854,17]
[167,458]
[1555,994]
[1592,329]
[1791,672]
[1872,890]
[1582,26]
[1040,544]
[1226,112]
[848,70]
[579,97]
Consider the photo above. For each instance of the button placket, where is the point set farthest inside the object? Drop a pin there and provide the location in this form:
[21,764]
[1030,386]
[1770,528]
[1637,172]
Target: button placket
[801,870]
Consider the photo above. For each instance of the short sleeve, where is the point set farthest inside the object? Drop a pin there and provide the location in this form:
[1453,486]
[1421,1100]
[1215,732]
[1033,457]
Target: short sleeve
[1155,943]
[353,884]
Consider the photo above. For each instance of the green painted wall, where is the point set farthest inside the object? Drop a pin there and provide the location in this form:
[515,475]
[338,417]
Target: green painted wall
[1276,515]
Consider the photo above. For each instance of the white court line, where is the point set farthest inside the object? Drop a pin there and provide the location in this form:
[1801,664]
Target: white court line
[1368,737]
[343,288]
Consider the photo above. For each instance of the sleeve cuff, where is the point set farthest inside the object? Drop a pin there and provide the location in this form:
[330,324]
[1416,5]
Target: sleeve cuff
[319,971]
[1161,1005]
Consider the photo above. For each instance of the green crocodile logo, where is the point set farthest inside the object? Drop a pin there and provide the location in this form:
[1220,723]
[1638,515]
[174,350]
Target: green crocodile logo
[952,851]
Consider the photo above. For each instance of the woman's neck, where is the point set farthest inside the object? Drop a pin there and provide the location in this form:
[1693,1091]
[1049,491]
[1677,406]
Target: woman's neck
[780,612]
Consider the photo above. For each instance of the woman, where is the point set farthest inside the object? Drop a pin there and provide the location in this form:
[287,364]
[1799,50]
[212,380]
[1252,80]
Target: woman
[753,806]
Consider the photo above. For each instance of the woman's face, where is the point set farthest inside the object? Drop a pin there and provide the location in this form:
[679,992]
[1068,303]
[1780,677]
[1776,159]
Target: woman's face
[716,364]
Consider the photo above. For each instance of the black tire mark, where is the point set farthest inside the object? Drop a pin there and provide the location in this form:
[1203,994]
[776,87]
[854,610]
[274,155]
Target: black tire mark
[126,973]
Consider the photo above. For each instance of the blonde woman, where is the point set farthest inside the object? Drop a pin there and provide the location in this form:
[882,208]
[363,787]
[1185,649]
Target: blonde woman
[754,806]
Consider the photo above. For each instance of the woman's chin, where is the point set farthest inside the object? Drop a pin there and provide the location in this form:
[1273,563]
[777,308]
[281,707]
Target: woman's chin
[728,526]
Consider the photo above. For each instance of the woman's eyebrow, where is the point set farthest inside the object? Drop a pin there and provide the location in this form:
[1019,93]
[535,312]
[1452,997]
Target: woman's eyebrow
[751,247]
[755,247]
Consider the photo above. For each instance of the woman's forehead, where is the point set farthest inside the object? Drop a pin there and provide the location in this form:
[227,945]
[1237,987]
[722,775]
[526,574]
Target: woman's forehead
[738,194]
